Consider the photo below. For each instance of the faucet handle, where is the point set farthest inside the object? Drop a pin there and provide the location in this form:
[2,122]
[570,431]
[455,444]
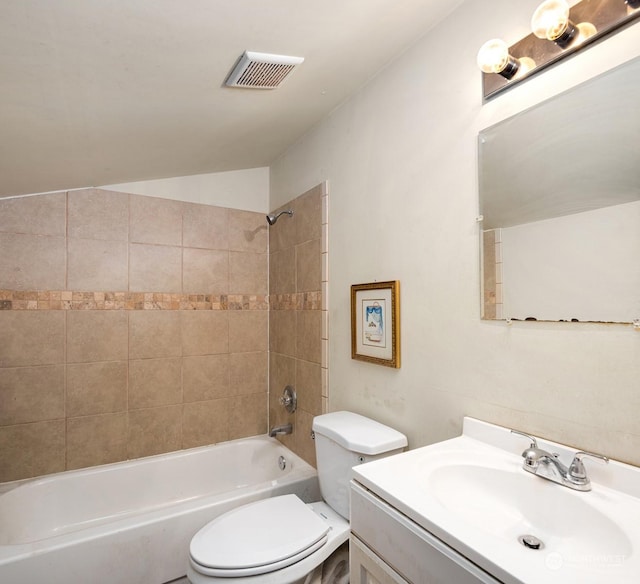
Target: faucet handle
[534,444]
[576,468]
[289,399]
[532,454]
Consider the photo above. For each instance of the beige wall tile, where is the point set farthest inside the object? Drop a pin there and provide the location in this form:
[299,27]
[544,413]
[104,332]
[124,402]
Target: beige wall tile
[248,273]
[248,330]
[31,394]
[308,215]
[155,382]
[31,338]
[282,331]
[30,450]
[283,234]
[96,265]
[325,203]
[325,382]
[96,335]
[205,377]
[248,231]
[32,262]
[294,335]
[154,220]
[38,215]
[282,372]
[248,416]
[205,271]
[155,431]
[309,386]
[155,268]
[205,226]
[304,445]
[248,373]
[98,214]
[154,334]
[308,337]
[325,324]
[489,273]
[216,391]
[94,440]
[324,352]
[308,266]
[205,422]
[96,388]
[282,271]
[205,332]
[325,266]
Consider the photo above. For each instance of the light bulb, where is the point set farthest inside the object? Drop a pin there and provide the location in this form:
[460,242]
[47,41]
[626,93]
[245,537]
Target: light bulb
[494,57]
[551,21]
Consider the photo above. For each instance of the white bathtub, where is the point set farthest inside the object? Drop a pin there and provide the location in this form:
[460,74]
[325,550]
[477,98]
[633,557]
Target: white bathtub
[131,522]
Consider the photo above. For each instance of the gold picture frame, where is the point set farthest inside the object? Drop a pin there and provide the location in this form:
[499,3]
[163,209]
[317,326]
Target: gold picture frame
[375,323]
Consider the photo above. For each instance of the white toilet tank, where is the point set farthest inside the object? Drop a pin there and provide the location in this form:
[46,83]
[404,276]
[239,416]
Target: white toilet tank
[344,440]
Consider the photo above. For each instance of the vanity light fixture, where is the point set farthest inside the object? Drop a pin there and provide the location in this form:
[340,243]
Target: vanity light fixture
[503,66]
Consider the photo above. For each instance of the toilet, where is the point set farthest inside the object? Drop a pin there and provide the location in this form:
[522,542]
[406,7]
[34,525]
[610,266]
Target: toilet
[282,540]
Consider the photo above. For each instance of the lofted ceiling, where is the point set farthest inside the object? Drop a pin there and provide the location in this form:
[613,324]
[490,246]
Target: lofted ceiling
[98,92]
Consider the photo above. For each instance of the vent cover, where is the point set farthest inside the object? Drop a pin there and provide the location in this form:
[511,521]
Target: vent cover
[261,70]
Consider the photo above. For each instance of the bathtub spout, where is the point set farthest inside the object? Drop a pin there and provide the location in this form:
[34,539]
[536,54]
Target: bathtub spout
[284,429]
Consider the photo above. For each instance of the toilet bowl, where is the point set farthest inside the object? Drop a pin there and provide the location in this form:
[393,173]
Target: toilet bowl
[282,540]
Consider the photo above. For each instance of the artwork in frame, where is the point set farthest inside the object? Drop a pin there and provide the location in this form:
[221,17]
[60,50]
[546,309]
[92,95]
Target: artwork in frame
[375,323]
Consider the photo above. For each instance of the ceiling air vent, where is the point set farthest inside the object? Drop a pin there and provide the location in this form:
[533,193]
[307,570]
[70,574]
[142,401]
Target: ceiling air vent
[261,70]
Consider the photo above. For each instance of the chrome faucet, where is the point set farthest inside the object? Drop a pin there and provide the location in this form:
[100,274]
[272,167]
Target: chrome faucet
[548,466]
[284,429]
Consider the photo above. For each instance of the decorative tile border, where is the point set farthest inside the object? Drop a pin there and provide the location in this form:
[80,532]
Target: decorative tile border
[296,301]
[75,300]
[70,300]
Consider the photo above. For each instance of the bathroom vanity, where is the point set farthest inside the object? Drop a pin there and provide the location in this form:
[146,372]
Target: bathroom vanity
[466,511]
[382,537]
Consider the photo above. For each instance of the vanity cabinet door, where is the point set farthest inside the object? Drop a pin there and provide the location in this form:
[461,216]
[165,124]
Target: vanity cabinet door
[367,568]
[415,554]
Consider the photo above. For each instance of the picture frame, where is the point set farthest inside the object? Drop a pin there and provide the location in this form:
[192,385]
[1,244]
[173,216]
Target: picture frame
[375,323]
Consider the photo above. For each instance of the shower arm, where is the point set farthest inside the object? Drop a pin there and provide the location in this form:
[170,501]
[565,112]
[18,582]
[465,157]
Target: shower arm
[272,218]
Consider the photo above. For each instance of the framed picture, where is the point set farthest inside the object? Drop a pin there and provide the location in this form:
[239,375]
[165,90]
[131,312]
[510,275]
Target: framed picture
[375,323]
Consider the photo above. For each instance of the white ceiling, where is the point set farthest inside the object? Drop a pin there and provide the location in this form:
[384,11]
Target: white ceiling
[96,92]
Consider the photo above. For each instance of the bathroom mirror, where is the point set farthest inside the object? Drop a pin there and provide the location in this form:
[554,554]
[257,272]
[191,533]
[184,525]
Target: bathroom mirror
[560,198]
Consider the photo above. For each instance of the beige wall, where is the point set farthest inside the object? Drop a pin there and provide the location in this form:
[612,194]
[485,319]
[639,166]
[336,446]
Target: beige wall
[401,160]
[298,323]
[129,326]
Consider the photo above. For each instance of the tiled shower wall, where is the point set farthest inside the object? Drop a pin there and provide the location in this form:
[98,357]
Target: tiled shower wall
[129,326]
[298,316]
[492,292]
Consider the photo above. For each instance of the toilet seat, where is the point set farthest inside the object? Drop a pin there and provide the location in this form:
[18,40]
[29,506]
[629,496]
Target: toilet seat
[258,538]
[296,572]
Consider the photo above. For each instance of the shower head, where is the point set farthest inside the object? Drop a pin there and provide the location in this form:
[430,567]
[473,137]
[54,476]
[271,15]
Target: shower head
[271,219]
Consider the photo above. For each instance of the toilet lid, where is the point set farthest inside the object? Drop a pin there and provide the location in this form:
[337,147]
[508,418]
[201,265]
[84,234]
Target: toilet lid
[259,537]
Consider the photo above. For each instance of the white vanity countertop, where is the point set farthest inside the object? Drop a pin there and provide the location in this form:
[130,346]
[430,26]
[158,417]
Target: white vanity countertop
[472,493]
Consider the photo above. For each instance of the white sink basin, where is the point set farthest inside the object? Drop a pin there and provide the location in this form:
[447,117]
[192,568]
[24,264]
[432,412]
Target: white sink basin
[508,504]
[473,494]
